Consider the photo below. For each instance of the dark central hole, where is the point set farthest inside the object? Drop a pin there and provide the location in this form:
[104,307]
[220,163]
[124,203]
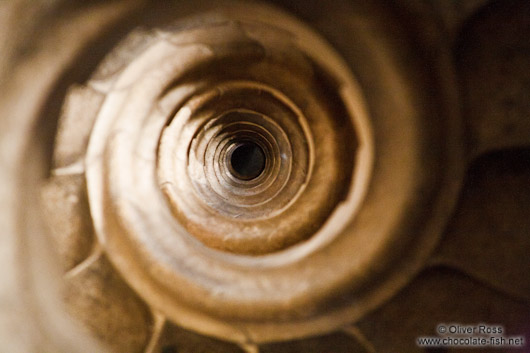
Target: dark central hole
[247,160]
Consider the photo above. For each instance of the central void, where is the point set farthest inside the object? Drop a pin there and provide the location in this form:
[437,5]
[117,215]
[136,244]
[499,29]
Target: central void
[247,160]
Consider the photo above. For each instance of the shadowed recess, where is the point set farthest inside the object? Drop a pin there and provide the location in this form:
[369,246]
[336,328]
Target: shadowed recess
[247,160]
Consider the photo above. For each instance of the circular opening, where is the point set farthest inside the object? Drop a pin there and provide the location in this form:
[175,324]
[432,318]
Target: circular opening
[247,160]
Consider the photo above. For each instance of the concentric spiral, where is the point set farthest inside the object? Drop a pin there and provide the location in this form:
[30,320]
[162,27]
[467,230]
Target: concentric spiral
[214,176]
[212,193]
[174,128]
[246,185]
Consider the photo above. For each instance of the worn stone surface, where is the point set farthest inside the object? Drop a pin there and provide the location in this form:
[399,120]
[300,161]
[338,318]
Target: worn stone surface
[68,216]
[492,55]
[441,296]
[77,117]
[35,53]
[488,237]
[96,295]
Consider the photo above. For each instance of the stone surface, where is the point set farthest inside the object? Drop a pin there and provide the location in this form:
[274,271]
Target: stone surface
[67,215]
[488,237]
[174,339]
[77,117]
[97,296]
[492,55]
[442,296]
